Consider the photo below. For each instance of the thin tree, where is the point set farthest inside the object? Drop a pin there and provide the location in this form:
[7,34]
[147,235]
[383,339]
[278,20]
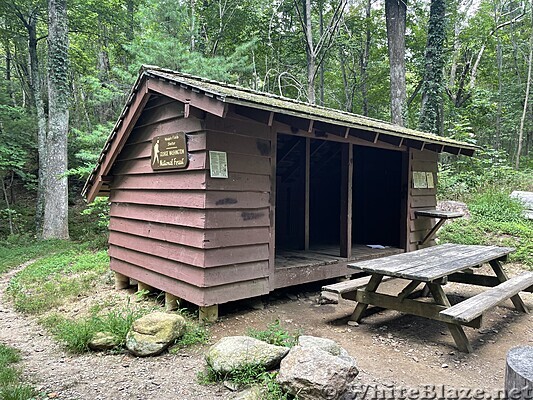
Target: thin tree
[432,87]
[526,99]
[56,192]
[28,14]
[395,15]
[316,52]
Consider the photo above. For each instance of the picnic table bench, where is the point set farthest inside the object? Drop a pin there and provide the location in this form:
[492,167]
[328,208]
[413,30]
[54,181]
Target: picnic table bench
[434,267]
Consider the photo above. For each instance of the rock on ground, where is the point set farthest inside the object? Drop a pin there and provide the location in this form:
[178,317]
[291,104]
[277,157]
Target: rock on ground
[312,373]
[102,341]
[153,333]
[235,352]
[324,344]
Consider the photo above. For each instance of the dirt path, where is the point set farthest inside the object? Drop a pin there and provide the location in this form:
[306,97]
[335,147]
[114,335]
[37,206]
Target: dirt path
[97,376]
[391,349]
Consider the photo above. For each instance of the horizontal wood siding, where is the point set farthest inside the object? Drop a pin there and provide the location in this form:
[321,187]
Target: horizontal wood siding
[421,199]
[204,240]
[157,217]
[240,202]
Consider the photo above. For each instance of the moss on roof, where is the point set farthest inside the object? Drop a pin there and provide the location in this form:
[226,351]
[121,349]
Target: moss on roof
[235,94]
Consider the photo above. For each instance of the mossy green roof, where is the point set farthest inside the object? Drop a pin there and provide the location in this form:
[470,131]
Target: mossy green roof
[239,95]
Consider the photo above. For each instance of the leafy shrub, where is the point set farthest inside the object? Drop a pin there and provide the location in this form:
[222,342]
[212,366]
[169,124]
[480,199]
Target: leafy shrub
[496,220]
[496,206]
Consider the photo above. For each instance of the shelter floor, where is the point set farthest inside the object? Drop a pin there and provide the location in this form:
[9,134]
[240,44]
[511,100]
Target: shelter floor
[329,254]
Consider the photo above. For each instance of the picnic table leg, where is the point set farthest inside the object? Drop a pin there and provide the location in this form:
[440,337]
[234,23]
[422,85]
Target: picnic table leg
[371,286]
[456,330]
[502,277]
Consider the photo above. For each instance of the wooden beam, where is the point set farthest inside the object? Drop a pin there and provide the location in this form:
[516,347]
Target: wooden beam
[286,130]
[310,129]
[307,191]
[273,180]
[346,201]
[270,118]
[130,117]
[196,99]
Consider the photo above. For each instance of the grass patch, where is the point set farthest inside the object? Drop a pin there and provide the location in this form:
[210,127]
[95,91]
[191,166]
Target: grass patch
[76,334]
[11,388]
[496,220]
[16,250]
[248,375]
[275,334]
[195,333]
[52,280]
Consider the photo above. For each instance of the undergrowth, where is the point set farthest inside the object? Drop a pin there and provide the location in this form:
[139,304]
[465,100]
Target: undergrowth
[275,334]
[495,219]
[11,386]
[52,280]
[248,376]
[76,334]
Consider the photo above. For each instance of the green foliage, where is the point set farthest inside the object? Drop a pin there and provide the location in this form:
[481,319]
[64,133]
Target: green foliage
[496,207]
[11,387]
[52,280]
[76,334]
[195,333]
[275,334]
[17,249]
[248,375]
[488,170]
[496,220]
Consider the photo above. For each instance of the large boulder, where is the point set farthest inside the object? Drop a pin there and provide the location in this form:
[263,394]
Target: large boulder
[327,345]
[235,352]
[312,373]
[153,333]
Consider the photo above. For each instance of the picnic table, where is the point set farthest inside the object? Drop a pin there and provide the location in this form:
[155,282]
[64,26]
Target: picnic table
[434,267]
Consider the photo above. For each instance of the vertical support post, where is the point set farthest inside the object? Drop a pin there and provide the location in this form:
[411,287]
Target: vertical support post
[172,302]
[141,286]
[307,191]
[273,184]
[121,281]
[346,200]
[405,223]
[209,313]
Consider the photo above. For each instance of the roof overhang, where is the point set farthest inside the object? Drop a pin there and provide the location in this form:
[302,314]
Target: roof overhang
[215,97]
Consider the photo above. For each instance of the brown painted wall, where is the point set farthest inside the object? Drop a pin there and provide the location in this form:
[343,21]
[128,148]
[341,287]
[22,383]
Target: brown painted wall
[201,239]
[241,201]
[421,199]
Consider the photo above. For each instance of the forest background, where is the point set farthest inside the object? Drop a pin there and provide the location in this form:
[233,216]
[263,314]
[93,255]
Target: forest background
[459,68]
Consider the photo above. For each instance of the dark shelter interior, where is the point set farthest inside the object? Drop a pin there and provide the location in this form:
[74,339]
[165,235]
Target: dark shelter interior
[376,197]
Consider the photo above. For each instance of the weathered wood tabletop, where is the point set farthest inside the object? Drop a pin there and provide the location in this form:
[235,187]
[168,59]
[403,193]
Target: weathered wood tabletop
[432,263]
[434,267]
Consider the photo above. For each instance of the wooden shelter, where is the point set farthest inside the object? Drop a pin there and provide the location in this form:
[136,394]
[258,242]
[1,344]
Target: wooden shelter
[220,193]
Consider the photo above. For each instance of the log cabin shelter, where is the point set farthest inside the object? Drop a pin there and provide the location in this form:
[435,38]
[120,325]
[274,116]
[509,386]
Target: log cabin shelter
[220,193]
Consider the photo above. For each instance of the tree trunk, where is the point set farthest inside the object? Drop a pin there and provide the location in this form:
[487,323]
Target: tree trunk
[311,56]
[430,118]
[321,71]
[365,57]
[526,99]
[56,192]
[35,89]
[395,15]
